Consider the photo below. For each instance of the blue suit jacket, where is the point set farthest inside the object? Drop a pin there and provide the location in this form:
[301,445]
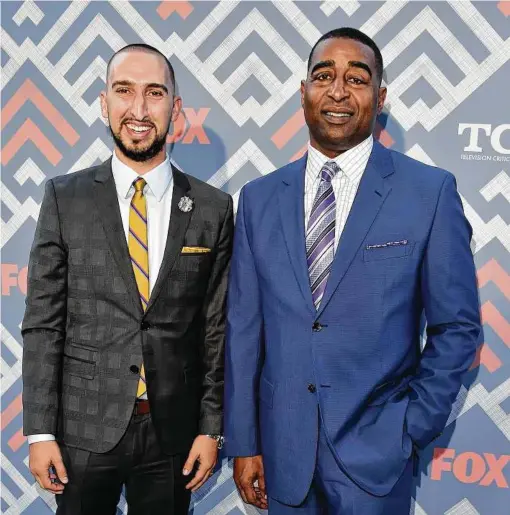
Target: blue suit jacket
[378,394]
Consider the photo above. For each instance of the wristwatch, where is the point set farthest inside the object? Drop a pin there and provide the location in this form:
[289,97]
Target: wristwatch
[219,440]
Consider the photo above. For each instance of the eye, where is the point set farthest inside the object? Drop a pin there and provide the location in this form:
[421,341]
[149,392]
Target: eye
[122,91]
[322,76]
[357,81]
[155,93]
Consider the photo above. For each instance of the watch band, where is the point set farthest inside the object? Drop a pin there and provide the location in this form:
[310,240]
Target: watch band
[220,440]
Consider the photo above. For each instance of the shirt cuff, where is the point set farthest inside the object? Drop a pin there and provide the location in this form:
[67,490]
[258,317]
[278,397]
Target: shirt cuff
[40,438]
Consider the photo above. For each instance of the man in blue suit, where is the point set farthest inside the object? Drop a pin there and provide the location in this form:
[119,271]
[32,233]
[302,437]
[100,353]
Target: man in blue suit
[336,258]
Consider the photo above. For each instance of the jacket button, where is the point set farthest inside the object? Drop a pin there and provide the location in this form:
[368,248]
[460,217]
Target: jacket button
[311,388]
[316,327]
[145,325]
[134,369]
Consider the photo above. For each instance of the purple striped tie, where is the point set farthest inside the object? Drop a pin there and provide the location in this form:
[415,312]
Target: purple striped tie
[320,234]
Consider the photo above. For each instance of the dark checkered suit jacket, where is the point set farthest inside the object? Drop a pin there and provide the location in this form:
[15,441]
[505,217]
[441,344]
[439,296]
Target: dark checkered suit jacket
[84,330]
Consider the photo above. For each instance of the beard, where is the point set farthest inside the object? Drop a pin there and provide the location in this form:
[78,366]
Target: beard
[141,154]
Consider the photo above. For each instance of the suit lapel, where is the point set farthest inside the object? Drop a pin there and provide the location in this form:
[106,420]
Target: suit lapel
[372,192]
[291,201]
[108,206]
[179,221]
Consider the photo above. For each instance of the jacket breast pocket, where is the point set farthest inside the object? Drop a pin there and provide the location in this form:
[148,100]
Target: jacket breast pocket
[194,251]
[388,250]
[195,261]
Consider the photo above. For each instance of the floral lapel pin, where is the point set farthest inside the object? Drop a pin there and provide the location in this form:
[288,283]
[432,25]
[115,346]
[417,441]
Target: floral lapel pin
[185,204]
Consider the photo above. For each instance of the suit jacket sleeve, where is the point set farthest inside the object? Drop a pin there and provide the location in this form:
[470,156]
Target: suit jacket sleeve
[450,299]
[211,410]
[44,323]
[244,346]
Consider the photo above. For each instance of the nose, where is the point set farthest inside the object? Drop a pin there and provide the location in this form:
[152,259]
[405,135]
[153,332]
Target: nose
[337,90]
[139,107]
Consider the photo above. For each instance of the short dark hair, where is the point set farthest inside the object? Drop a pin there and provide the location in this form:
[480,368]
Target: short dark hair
[356,35]
[142,47]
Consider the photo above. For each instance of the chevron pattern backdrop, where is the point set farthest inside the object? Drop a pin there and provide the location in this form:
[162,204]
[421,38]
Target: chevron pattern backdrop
[238,66]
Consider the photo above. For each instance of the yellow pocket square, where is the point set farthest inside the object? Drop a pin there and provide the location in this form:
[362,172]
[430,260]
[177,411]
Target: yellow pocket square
[195,250]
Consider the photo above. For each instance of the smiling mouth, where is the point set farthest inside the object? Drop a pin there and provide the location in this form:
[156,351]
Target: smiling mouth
[138,129]
[336,117]
[335,114]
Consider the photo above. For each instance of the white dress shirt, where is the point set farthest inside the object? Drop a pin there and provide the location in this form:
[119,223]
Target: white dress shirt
[158,191]
[345,184]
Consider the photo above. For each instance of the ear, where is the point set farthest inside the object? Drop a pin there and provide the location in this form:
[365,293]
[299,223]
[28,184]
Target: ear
[104,106]
[177,107]
[302,93]
[381,98]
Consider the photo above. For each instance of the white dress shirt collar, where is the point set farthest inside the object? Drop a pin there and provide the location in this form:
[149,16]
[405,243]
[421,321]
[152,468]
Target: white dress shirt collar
[352,162]
[158,179]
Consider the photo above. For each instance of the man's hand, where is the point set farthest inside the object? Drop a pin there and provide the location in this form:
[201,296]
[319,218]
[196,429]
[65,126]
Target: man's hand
[42,456]
[205,451]
[247,471]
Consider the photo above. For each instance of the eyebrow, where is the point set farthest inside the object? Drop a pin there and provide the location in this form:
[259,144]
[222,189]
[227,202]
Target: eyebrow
[323,64]
[330,63]
[130,83]
[362,65]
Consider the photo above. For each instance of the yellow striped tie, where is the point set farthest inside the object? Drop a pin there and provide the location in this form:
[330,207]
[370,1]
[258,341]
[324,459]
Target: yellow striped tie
[139,251]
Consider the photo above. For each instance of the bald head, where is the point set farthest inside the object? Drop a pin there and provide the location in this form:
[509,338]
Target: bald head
[143,48]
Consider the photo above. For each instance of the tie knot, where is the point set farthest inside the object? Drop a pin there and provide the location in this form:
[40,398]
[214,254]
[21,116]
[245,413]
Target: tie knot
[329,170]
[139,184]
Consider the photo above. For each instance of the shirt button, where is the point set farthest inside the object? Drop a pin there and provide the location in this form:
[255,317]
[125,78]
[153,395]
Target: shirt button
[316,327]
[134,369]
[311,388]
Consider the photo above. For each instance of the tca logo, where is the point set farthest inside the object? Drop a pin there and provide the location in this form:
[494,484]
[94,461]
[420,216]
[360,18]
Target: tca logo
[475,130]
[470,467]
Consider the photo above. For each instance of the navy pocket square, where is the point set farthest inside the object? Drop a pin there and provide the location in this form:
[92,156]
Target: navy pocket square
[399,243]
[388,250]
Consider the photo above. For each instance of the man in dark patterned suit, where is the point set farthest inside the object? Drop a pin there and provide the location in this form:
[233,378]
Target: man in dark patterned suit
[124,326]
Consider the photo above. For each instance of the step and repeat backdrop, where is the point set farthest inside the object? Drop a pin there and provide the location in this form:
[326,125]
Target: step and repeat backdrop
[238,66]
